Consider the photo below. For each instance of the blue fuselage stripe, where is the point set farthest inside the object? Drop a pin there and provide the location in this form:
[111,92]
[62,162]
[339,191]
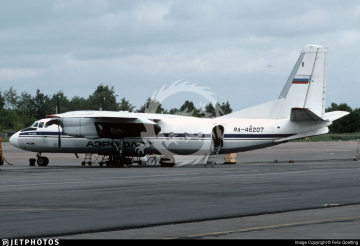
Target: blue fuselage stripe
[176,135]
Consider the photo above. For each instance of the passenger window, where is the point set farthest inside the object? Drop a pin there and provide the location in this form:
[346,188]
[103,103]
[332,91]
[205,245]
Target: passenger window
[41,124]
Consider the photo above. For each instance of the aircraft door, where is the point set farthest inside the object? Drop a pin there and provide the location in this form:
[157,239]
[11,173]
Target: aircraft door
[45,140]
[217,136]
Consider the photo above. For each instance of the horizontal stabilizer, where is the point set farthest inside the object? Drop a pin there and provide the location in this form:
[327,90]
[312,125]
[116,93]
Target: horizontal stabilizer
[303,114]
[334,115]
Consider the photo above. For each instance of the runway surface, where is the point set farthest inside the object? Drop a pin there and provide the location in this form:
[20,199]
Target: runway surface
[317,196]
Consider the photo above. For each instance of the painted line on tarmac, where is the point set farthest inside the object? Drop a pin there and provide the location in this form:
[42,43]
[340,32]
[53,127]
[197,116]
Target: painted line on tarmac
[292,172]
[44,209]
[267,227]
[111,179]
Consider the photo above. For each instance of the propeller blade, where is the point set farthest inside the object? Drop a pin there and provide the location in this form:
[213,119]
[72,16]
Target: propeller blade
[59,139]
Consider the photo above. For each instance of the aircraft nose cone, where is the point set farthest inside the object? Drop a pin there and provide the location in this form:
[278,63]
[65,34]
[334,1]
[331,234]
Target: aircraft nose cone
[14,140]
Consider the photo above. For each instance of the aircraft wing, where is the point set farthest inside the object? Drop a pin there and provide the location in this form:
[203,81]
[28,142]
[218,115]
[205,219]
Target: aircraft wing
[105,124]
[94,114]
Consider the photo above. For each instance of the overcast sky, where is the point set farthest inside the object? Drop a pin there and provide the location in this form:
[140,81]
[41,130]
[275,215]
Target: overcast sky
[140,46]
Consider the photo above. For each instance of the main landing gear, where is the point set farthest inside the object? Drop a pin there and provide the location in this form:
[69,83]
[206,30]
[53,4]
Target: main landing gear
[117,161]
[41,160]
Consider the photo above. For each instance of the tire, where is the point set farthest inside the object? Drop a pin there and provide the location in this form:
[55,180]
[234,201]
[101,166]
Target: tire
[32,161]
[117,163]
[152,161]
[42,161]
[168,161]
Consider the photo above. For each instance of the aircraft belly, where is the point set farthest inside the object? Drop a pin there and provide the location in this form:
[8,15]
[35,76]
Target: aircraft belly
[139,146]
[234,146]
[182,146]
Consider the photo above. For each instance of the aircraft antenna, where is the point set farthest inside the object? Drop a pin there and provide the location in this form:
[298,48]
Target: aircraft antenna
[105,105]
[57,104]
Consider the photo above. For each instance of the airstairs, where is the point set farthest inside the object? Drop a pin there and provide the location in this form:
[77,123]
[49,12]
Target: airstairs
[93,159]
[211,159]
[217,137]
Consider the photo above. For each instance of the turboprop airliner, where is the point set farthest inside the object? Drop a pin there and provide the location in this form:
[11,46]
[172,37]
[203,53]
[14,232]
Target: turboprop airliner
[298,112]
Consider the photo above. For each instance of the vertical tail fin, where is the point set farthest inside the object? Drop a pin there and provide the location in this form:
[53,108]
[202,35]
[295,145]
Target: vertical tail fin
[305,88]
[306,85]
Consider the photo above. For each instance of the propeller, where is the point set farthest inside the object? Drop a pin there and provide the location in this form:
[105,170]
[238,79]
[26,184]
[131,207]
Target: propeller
[59,139]
[58,112]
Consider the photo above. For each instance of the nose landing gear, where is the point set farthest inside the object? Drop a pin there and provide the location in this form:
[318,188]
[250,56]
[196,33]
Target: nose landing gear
[41,160]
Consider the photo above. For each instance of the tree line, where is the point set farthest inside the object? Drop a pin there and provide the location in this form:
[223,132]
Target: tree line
[19,111]
[347,124]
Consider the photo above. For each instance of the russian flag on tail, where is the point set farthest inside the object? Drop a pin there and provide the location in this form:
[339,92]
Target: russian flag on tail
[300,81]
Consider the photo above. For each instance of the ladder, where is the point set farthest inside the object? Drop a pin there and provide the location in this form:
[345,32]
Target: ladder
[212,156]
[2,159]
[87,159]
[93,159]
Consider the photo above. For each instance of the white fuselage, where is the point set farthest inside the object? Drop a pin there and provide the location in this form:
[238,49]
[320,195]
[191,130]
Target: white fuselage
[178,135]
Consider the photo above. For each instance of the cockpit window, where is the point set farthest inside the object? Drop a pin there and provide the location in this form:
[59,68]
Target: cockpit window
[36,124]
[41,124]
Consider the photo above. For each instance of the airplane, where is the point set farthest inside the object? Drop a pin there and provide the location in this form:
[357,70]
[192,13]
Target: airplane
[298,112]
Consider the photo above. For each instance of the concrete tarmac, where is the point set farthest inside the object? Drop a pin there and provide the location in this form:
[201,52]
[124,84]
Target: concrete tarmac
[338,222]
[317,196]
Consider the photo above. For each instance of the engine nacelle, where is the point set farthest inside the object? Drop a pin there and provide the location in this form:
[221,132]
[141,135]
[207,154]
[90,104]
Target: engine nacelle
[79,127]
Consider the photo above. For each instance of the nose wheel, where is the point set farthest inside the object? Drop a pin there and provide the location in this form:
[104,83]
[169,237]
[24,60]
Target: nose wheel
[41,161]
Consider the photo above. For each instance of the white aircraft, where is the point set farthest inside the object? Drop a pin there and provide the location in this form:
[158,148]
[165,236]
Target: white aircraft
[298,112]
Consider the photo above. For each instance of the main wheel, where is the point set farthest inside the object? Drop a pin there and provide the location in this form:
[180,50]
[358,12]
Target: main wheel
[151,161]
[118,161]
[167,161]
